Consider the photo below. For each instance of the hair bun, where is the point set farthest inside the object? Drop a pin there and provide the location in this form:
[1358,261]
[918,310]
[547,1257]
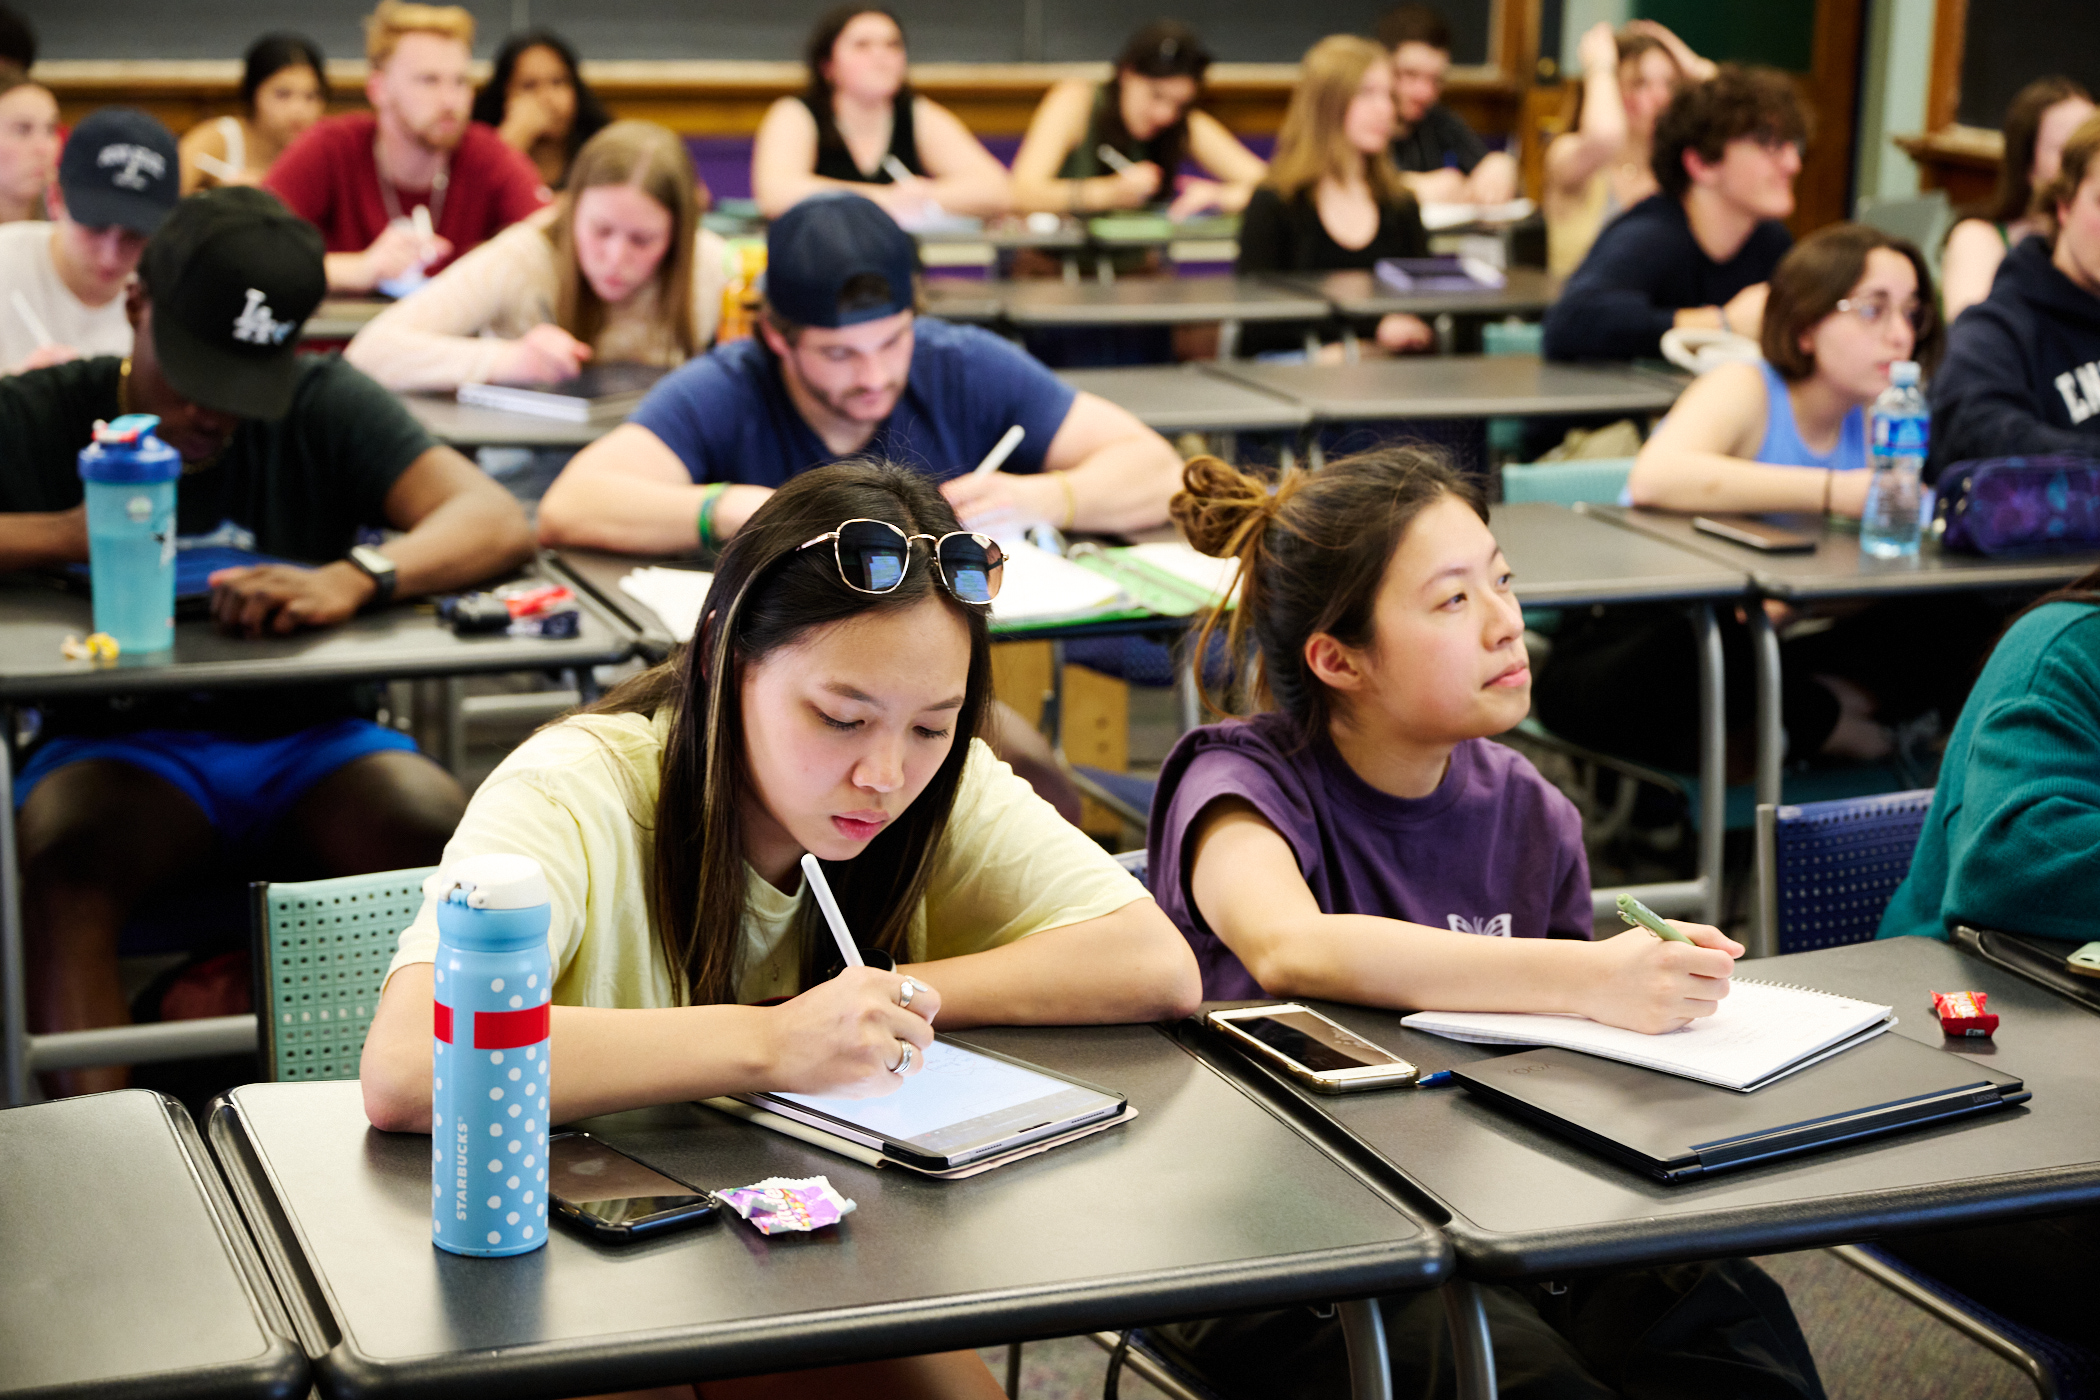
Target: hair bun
[1219,506]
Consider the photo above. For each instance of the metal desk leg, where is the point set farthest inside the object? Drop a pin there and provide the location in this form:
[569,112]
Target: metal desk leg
[1472,1349]
[1771,733]
[1363,1332]
[1713,762]
[14,1000]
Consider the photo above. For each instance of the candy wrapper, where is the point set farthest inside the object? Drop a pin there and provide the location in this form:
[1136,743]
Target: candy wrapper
[781,1204]
[1964,1013]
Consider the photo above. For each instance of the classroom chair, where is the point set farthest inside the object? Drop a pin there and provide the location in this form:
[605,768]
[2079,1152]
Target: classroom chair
[1826,870]
[322,949]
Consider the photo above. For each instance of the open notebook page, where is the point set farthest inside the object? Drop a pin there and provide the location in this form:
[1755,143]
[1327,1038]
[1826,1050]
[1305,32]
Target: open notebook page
[1760,1031]
[1038,586]
[675,595]
[1215,577]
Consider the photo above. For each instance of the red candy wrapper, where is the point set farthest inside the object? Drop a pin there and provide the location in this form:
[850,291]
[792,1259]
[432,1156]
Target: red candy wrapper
[1962,1013]
[781,1203]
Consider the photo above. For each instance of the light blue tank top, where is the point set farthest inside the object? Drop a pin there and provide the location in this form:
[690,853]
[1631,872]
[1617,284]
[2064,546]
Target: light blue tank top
[1783,447]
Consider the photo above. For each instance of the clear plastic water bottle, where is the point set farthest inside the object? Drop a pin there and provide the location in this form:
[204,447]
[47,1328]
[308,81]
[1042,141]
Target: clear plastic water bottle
[488,1124]
[1900,433]
[130,477]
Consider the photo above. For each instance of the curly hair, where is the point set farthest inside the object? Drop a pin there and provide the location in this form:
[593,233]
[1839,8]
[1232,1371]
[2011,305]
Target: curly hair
[1737,102]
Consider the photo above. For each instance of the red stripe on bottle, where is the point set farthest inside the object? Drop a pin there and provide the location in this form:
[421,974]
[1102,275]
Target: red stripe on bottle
[441,1021]
[507,1030]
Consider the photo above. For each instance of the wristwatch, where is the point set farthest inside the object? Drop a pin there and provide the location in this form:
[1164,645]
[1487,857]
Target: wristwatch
[376,567]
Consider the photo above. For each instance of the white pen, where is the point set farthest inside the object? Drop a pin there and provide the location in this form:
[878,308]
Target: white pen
[225,170]
[1001,450]
[821,888]
[896,169]
[425,231]
[30,318]
[1112,158]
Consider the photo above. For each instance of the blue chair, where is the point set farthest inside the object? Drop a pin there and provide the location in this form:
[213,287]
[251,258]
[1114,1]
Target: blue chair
[1826,870]
[1599,482]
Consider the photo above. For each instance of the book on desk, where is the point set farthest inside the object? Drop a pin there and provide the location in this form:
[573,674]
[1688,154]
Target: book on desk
[599,393]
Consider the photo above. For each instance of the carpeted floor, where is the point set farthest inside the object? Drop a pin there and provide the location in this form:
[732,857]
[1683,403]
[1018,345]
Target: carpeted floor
[1869,1345]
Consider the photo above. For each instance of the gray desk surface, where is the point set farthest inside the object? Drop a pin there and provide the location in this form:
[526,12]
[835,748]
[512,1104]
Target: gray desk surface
[599,574]
[396,643]
[124,1270]
[339,318]
[1012,231]
[1182,398]
[1205,1201]
[468,425]
[1839,569]
[1524,1202]
[1359,293]
[1562,559]
[1457,386]
[1153,301]
[972,300]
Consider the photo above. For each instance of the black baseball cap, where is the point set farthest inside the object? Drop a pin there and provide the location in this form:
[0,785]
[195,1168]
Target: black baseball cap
[233,274]
[817,247]
[120,166]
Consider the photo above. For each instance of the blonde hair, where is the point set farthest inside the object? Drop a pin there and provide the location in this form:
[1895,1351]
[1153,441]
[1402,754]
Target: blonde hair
[654,161]
[385,26]
[1312,144]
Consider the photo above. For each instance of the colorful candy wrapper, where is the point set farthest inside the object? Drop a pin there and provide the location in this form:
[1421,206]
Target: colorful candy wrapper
[1964,1013]
[783,1204]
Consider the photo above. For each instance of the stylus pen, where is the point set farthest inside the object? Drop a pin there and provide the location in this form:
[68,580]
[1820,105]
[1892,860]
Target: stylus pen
[821,888]
[1434,1079]
[897,170]
[1001,450]
[1112,158]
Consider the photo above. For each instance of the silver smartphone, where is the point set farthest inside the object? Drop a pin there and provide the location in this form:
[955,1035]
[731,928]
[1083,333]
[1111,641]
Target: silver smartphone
[1313,1050]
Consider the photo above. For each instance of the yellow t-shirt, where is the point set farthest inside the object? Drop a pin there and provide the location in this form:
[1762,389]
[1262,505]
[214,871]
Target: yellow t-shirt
[580,798]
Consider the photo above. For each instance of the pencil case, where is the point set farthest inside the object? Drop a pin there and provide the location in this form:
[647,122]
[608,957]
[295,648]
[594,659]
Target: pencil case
[2020,505]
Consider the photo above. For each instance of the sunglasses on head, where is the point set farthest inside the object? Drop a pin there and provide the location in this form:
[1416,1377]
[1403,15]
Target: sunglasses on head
[872,556]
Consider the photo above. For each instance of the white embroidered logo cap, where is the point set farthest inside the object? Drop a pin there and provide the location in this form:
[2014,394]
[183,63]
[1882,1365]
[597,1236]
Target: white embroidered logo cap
[257,325]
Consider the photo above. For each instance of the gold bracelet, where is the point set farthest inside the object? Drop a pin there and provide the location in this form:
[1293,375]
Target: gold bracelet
[1064,479]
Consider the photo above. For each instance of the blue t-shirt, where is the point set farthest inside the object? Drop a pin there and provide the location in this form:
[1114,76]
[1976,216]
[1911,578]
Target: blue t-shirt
[728,416]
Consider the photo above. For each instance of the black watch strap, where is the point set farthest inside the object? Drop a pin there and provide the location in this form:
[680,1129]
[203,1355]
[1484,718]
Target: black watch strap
[376,567]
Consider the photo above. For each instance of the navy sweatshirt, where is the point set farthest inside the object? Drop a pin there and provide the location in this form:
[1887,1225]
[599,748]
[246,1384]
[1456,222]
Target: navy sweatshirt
[2022,374]
[1645,267]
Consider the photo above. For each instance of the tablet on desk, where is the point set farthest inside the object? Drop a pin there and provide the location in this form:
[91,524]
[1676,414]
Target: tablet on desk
[965,1106]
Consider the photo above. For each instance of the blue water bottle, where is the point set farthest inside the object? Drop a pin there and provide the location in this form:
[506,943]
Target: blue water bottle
[488,1089]
[1901,433]
[130,478]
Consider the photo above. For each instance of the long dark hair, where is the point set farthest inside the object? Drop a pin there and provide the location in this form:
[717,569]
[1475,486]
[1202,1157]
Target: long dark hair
[816,52]
[492,102]
[767,594]
[271,55]
[1313,551]
[1165,48]
[2009,202]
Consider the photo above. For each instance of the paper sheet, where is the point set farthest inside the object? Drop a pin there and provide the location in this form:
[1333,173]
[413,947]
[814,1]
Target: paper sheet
[1215,577]
[675,595]
[1038,586]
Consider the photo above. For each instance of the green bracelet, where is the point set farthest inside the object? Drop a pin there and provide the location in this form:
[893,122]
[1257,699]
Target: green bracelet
[710,496]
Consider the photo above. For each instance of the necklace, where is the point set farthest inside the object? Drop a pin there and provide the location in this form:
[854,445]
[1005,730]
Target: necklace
[392,202]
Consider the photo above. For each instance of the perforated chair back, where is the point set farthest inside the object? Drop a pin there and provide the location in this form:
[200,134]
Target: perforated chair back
[1826,870]
[323,947]
[1567,483]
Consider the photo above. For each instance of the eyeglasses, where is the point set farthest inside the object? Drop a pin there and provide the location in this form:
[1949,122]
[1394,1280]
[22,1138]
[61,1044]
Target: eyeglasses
[872,556]
[1872,310]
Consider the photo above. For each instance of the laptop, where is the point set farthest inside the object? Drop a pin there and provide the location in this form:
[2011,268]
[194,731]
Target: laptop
[1677,1129]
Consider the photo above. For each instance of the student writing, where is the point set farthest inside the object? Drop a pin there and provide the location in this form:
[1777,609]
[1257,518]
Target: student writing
[859,123]
[284,90]
[811,715]
[618,270]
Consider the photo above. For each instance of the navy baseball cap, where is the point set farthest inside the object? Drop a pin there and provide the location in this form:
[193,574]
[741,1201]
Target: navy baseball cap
[233,274]
[817,247]
[120,166]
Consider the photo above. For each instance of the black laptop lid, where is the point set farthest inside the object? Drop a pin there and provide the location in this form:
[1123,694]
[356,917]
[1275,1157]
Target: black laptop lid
[1673,1127]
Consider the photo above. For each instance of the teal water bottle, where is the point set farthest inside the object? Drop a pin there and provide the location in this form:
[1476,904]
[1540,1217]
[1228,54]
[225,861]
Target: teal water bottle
[130,478]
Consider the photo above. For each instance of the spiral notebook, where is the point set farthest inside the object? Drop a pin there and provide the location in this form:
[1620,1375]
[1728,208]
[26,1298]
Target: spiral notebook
[1762,1032]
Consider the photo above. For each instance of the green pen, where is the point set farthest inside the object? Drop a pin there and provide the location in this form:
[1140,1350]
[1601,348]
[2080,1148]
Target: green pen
[1640,915]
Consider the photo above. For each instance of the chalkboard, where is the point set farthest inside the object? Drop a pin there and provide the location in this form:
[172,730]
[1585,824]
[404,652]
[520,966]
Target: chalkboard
[940,31]
[2008,46]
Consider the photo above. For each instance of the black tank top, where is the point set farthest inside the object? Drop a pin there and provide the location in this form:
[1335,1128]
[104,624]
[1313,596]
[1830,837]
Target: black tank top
[1104,126]
[835,162]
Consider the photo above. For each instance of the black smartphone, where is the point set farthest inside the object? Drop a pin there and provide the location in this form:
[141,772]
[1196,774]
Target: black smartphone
[1756,534]
[604,1191]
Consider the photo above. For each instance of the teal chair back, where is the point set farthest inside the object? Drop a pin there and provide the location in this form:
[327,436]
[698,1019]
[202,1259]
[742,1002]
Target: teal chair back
[324,947]
[1568,483]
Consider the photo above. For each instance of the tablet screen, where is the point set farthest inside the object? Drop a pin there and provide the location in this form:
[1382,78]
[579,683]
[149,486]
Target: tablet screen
[962,1099]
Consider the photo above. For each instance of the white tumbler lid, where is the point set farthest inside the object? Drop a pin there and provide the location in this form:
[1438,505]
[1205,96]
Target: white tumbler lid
[491,882]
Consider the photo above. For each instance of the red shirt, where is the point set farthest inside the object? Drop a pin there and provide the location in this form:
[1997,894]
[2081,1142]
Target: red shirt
[330,178]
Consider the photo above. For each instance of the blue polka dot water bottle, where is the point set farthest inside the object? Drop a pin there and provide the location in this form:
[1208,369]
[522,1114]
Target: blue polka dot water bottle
[494,976]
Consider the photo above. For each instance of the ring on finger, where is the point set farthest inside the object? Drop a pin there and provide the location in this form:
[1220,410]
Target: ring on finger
[903,1065]
[906,992]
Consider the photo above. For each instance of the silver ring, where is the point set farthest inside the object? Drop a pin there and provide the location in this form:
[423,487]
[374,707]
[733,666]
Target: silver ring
[906,992]
[903,1065]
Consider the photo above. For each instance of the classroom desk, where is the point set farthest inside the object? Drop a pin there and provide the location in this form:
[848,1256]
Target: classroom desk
[1837,571]
[1457,386]
[1563,560]
[1182,398]
[397,643]
[1359,295]
[1128,1226]
[468,425]
[1524,1203]
[1154,301]
[965,300]
[339,318]
[124,1271]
